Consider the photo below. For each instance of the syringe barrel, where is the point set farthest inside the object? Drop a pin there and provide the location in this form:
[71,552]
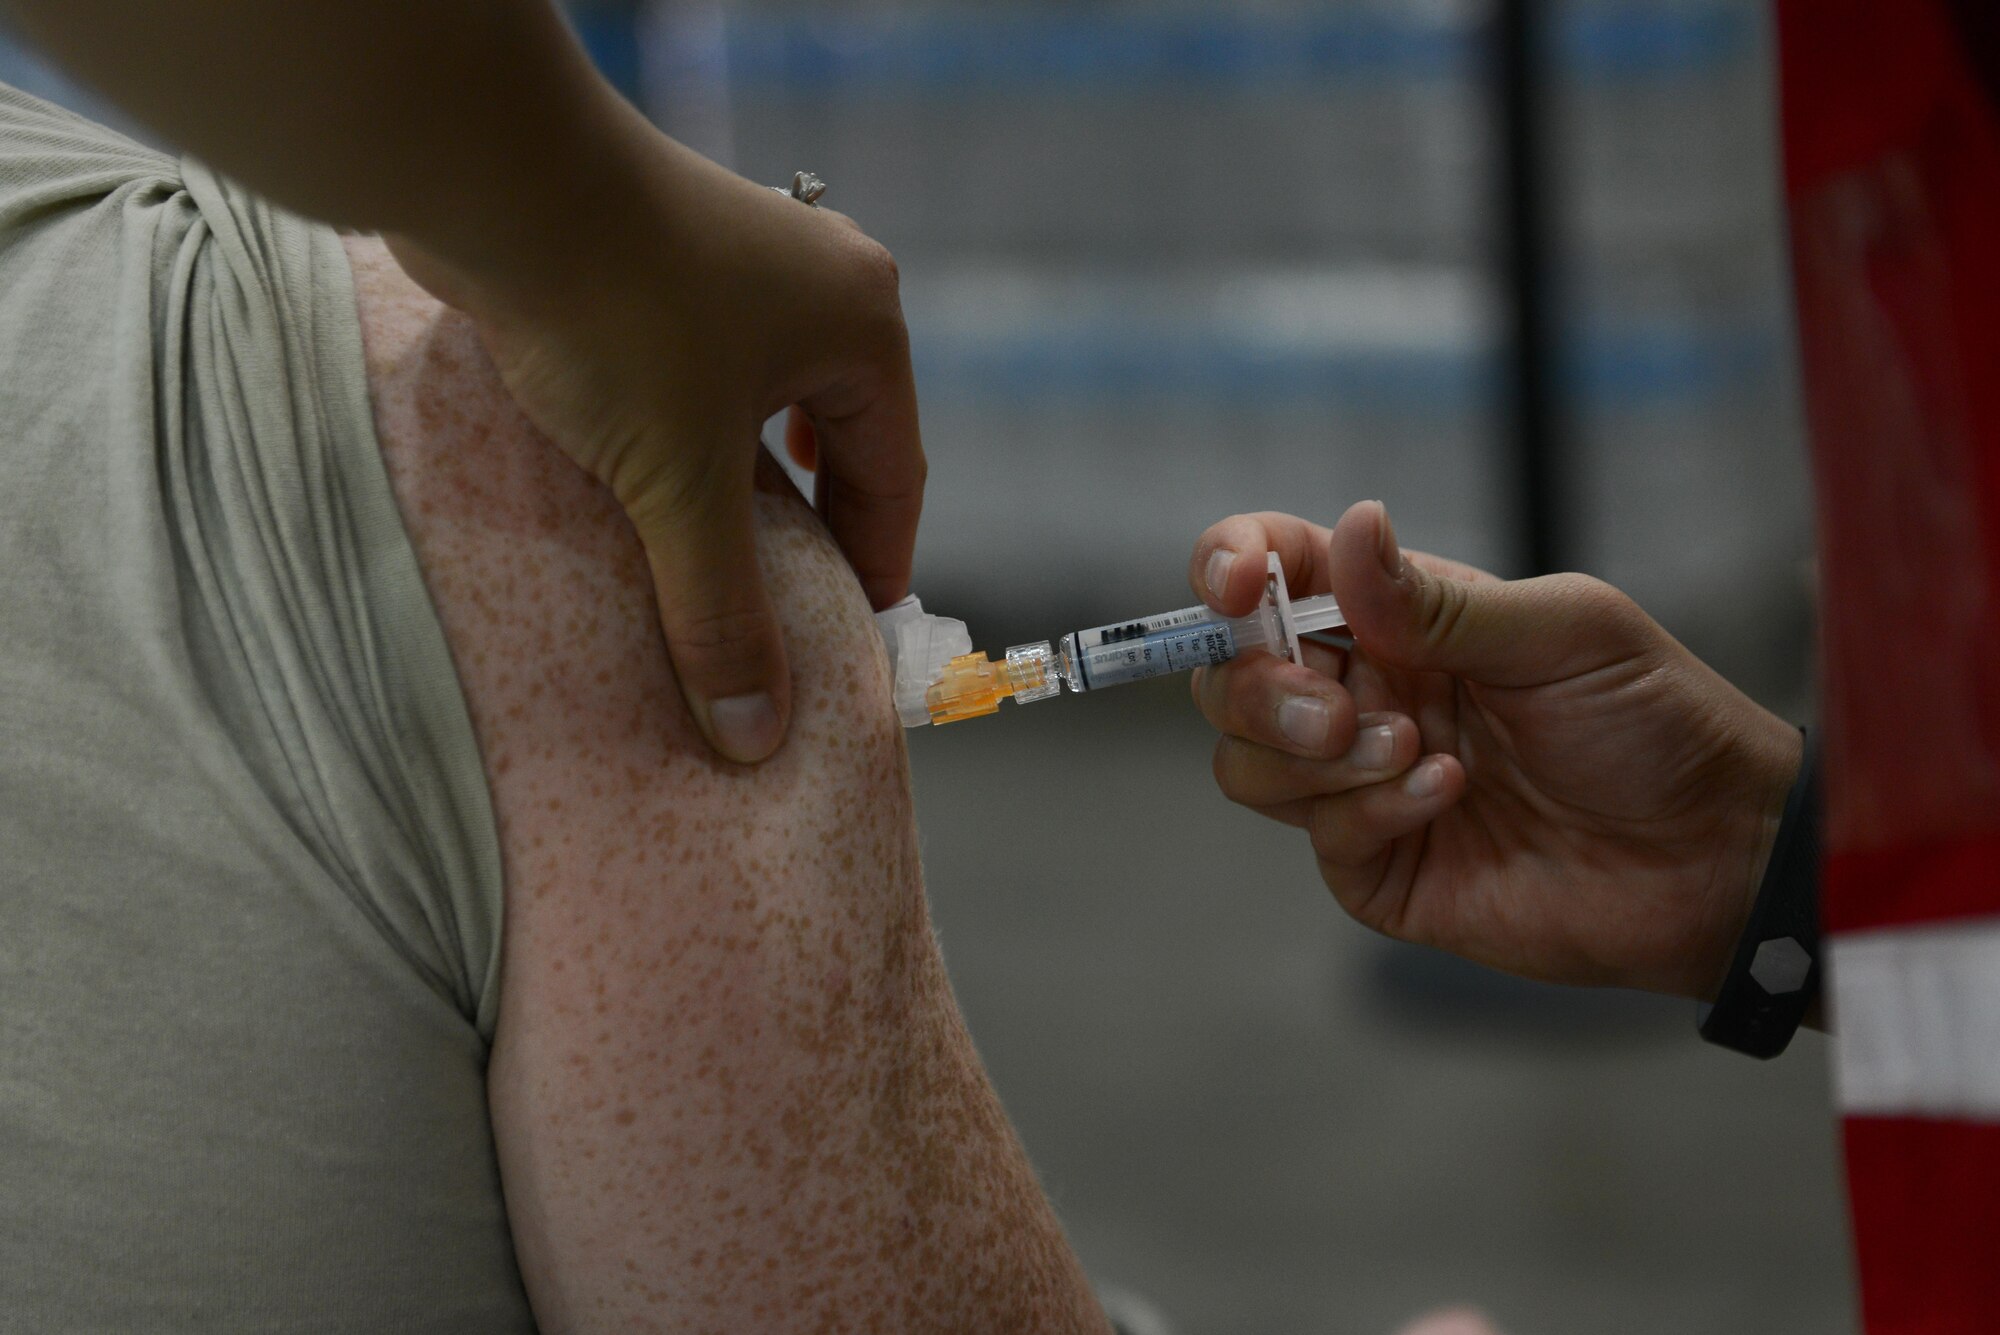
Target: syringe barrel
[1154,646]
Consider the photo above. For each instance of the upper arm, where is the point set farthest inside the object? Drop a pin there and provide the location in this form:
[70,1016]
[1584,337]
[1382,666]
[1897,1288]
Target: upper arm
[730,1087]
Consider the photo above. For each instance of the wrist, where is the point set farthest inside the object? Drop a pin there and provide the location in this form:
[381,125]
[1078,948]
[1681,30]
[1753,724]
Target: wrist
[1772,753]
[521,221]
[1774,972]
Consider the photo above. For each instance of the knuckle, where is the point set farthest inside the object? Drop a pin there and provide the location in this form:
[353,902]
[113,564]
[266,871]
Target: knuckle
[1586,592]
[1591,600]
[876,269]
[1325,829]
[1233,766]
[1613,602]
[714,637]
[659,487]
[863,294]
[1443,607]
[1358,894]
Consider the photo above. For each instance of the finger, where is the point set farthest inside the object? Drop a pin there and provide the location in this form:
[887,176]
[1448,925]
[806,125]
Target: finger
[1262,778]
[871,458]
[800,443]
[1227,569]
[1278,704]
[1351,830]
[722,632]
[1499,632]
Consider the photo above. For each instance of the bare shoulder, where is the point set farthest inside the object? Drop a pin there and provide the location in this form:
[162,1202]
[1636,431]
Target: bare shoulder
[496,512]
[730,1087]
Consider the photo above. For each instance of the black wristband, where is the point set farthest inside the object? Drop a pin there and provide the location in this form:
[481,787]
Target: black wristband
[1775,974]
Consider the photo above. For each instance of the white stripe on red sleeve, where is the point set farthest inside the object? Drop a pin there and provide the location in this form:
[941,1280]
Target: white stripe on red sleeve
[1916,1015]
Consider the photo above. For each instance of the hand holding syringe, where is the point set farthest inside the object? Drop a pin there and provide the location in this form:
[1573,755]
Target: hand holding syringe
[939,679]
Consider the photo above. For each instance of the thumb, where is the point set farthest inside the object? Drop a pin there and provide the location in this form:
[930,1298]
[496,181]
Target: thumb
[722,632]
[1497,632]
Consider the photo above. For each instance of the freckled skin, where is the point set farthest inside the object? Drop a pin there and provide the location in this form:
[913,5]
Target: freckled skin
[730,1087]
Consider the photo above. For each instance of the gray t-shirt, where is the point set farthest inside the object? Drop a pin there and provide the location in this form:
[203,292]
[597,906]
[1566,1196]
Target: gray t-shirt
[250,895]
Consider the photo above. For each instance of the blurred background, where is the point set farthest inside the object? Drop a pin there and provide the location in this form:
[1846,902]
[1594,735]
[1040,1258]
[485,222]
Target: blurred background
[1519,272]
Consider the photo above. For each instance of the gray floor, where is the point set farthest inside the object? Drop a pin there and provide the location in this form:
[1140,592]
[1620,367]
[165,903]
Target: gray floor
[1269,1120]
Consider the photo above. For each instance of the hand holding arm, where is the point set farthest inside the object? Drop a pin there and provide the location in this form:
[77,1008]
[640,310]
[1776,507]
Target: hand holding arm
[647,308]
[1544,781]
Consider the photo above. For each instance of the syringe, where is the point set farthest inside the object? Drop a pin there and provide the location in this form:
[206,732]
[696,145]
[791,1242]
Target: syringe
[939,679]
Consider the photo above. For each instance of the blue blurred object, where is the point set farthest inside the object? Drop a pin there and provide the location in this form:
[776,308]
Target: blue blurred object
[1024,51]
[610,33]
[1114,223]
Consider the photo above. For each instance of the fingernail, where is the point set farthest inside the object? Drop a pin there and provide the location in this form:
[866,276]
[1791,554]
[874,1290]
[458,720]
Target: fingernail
[1425,780]
[1303,720]
[1216,573]
[1374,748]
[1391,554]
[746,726]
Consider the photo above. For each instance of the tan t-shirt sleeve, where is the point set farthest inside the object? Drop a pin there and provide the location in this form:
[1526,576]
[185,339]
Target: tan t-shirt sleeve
[250,899]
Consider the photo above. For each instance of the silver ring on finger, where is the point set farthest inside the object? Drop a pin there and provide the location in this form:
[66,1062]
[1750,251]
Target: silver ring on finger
[805,188]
